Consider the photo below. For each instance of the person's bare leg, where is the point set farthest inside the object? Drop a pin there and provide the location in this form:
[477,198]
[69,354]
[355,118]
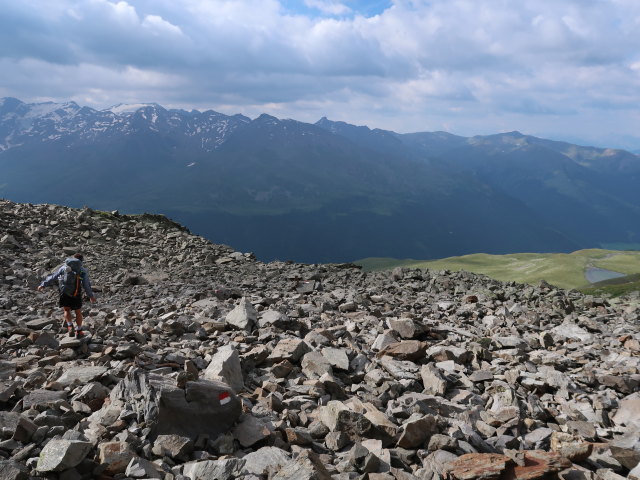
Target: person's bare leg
[68,318]
[78,320]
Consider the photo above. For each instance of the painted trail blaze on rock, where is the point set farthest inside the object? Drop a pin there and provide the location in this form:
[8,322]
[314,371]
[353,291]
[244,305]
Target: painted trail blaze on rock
[186,411]
[224,398]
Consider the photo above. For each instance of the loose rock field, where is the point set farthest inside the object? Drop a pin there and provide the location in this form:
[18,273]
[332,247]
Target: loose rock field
[204,363]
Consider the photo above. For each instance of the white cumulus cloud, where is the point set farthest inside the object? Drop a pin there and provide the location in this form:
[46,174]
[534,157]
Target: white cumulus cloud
[540,66]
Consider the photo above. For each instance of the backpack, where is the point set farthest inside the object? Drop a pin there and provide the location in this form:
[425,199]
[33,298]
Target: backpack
[70,282]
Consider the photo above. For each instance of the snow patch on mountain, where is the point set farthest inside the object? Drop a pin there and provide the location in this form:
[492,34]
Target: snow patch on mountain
[40,110]
[124,108]
[23,123]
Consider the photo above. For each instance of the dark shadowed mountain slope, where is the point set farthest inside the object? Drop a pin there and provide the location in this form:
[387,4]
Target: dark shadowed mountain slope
[591,194]
[325,192]
[575,197]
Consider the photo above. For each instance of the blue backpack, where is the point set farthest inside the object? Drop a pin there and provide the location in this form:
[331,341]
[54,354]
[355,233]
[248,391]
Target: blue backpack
[70,282]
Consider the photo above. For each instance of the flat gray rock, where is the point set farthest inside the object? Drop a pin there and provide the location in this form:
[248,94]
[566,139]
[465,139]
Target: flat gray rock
[173,446]
[80,375]
[273,317]
[59,455]
[265,460]
[250,430]
[243,317]
[315,365]
[47,339]
[9,421]
[142,468]
[337,358]
[69,342]
[291,349]
[43,397]
[40,323]
[307,466]
[226,469]
[629,411]
[405,327]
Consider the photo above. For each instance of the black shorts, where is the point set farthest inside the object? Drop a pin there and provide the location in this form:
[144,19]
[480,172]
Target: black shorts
[74,303]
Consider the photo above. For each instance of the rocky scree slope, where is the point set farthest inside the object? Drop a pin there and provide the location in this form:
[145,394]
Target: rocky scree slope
[203,363]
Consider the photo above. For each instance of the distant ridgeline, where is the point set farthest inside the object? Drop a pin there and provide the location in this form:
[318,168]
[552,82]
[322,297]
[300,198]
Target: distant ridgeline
[324,192]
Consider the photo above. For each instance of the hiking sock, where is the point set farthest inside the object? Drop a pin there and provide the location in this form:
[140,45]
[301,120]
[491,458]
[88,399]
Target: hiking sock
[72,333]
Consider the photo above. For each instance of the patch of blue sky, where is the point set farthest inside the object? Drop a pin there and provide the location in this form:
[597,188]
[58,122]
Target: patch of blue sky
[335,8]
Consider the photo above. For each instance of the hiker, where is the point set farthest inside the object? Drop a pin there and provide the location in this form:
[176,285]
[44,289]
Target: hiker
[72,278]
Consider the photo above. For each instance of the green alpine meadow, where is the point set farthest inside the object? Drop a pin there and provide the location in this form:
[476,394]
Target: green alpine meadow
[612,271]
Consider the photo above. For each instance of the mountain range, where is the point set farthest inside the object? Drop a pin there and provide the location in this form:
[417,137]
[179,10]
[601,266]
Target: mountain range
[323,192]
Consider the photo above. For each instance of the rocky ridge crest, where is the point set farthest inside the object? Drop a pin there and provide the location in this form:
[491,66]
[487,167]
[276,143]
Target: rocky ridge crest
[323,371]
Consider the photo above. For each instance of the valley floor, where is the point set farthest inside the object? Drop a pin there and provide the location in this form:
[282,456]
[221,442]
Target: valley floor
[572,270]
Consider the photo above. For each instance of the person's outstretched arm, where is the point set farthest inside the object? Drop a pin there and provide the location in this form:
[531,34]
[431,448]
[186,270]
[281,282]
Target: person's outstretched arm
[51,279]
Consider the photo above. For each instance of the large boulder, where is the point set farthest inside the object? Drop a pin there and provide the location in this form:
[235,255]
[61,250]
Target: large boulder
[201,407]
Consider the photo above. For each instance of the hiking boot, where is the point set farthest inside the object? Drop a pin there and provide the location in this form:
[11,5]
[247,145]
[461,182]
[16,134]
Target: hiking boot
[72,332]
[80,334]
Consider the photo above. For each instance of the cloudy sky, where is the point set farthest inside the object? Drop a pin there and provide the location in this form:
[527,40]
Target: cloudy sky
[566,69]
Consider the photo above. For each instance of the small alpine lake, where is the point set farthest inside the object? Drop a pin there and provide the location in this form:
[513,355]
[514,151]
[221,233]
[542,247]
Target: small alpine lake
[594,274]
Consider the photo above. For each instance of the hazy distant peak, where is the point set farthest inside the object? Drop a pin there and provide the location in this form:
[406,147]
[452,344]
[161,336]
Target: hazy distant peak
[9,101]
[241,117]
[268,119]
[513,139]
[10,104]
[68,106]
[326,123]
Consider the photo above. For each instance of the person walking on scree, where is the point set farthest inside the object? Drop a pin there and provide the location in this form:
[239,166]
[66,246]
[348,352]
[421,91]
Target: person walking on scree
[72,278]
